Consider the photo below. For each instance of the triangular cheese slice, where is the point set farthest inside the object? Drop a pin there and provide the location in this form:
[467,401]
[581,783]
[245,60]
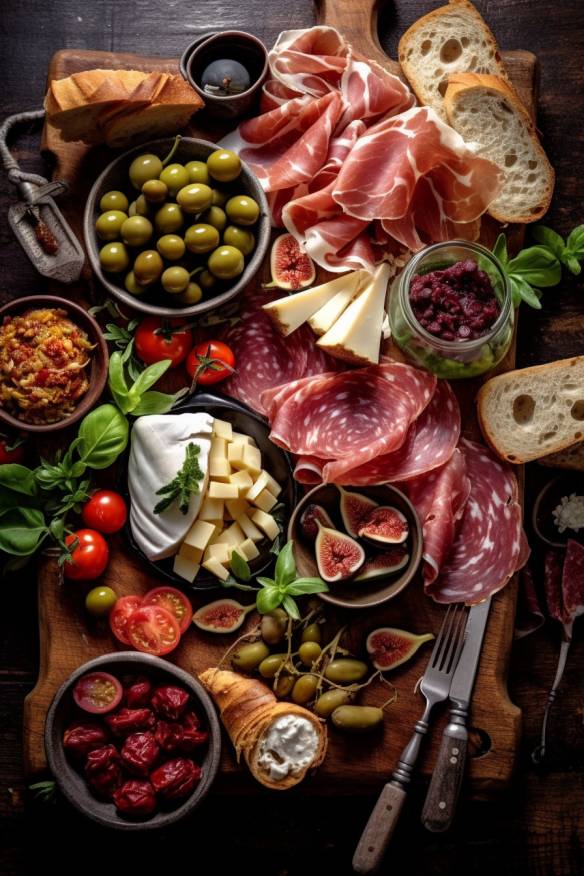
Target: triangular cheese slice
[290,312]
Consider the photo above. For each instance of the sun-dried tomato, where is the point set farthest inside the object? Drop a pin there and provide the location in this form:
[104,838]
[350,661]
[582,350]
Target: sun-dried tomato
[192,739]
[175,778]
[136,798]
[128,721]
[137,694]
[103,770]
[191,719]
[139,753]
[169,701]
[84,736]
[169,735]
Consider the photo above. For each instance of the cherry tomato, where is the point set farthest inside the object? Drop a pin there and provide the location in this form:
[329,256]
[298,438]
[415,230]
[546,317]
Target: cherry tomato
[210,362]
[173,601]
[98,693]
[171,342]
[106,511]
[10,452]
[89,558]
[153,629]
[124,607]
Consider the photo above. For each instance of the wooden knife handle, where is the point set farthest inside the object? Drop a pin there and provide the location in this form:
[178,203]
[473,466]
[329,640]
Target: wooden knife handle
[442,796]
[379,829]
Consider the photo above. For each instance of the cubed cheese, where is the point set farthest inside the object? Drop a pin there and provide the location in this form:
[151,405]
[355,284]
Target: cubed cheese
[223,491]
[190,553]
[220,551]
[248,550]
[212,509]
[265,500]
[233,536]
[237,507]
[199,535]
[214,566]
[222,429]
[242,480]
[250,529]
[235,455]
[184,568]
[219,468]
[218,448]
[266,523]
[260,483]
[273,485]
[240,438]
[252,459]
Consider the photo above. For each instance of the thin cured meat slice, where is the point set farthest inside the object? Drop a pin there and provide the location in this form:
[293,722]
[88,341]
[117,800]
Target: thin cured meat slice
[308,470]
[371,93]
[530,616]
[339,148]
[490,545]
[573,582]
[430,444]
[310,61]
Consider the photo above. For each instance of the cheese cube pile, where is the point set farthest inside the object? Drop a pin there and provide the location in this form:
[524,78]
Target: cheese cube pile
[235,511]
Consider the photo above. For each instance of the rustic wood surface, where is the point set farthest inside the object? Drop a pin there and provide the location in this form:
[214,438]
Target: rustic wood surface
[537,826]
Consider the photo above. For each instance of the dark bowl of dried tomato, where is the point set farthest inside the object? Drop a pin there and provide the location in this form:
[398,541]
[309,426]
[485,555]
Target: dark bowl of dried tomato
[147,763]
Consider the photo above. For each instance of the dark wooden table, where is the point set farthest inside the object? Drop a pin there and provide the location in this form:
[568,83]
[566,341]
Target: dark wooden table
[538,826]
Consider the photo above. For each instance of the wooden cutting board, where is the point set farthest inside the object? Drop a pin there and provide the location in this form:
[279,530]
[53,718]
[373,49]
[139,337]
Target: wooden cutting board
[68,637]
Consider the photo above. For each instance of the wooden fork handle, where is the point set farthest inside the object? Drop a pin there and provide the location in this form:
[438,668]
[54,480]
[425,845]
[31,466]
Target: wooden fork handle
[379,829]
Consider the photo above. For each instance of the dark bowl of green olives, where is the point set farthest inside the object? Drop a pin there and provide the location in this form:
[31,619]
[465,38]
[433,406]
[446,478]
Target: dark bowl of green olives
[176,227]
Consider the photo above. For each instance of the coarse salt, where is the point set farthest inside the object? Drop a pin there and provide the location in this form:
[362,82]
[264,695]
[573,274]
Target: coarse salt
[569,514]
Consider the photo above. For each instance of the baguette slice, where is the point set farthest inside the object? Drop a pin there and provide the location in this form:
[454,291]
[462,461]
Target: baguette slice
[533,412]
[571,458]
[487,113]
[451,39]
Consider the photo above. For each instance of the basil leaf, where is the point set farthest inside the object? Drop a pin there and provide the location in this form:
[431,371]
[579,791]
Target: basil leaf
[21,531]
[500,249]
[117,382]
[150,375]
[522,291]
[239,566]
[154,403]
[103,435]
[291,608]
[304,586]
[575,242]
[266,582]
[267,599]
[285,565]
[572,264]
[536,264]
[10,499]
[550,238]
[18,478]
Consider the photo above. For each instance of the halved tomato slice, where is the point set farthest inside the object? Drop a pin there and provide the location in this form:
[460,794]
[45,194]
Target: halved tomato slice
[119,616]
[173,601]
[97,693]
[153,629]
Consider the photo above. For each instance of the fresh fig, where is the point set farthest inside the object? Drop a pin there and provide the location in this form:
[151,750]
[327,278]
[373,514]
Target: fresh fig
[384,564]
[291,268]
[355,510]
[338,556]
[385,525]
[221,616]
[310,515]
[389,647]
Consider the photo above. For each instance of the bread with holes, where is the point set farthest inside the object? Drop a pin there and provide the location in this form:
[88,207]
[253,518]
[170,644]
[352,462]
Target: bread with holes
[571,458]
[532,412]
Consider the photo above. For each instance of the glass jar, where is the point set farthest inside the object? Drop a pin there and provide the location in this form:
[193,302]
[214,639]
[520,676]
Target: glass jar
[458,358]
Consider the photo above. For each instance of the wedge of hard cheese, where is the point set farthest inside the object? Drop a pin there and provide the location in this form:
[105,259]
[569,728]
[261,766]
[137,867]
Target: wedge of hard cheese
[290,312]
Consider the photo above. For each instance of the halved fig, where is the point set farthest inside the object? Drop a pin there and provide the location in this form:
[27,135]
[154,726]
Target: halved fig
[355,510]
[385,525]
[308,521]
[291,268]
[221,616]
[389,647]
[386,563]
[338,556]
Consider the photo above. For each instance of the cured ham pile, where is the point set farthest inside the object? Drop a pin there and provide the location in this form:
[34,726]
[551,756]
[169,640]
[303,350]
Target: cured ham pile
[354,171]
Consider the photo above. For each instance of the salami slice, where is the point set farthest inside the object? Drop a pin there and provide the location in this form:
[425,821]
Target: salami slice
[552,583]
[490,544]
[573,582]
[308,470]
[530,616]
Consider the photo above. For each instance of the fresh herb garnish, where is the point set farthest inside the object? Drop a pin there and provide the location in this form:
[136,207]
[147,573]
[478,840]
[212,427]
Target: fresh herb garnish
[184,484]
[136,398]
[281,589]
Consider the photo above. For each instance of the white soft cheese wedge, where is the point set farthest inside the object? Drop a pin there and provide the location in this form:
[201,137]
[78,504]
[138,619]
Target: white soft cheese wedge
[290,312]
[322,320]
[356,335]
[157,453]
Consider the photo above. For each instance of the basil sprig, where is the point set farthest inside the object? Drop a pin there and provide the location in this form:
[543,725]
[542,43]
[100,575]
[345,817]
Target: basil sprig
[570,252]
[136,397]
[184,484]
[285,585]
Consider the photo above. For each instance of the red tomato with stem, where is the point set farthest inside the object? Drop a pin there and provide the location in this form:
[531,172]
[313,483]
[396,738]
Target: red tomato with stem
[157,339]
[173,601]
[98,693]
[210,362]
[89,558]
[11,451]
[153,629]
[105,511]
[124,607]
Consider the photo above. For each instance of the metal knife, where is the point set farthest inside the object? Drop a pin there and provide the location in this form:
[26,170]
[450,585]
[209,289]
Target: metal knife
[442,796]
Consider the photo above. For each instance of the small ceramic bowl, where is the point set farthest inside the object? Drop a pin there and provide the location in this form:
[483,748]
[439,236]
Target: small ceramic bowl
[115,177]
[99,358]
[361,594]
[63,711]
[548,498]
[232,45]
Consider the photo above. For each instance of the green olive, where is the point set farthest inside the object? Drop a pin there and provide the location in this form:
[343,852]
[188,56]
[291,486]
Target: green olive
[136,231]
[273,626]
[219,198]
[142,206]
[175,280]
[248,657]
[168,218]
[357,719]
[175,176]
[331,700]
[192,294]
[155,191]
[270,665]
[216,217]
[284,685]
[197,171]
[132,285]
[241,238]
[345,670]
[206,280]
[201,238]
[195,197]
[171,247]
[114,258]
[224,165]
[100,601]
[242,210]
[312,633]
[226,262]
[309,652]
[304,689]
[143,168]
[148,267]
[108,224]
[113,200]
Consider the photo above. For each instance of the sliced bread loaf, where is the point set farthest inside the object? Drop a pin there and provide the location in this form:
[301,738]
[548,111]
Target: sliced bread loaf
[572,458]
[451,39]
[530,413]
[495,124]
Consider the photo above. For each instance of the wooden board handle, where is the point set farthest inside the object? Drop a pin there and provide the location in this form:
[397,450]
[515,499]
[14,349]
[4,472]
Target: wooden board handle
[379,830]
[357,21]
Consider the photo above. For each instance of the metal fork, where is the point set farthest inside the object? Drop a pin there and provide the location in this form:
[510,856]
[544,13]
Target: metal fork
[435,687]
